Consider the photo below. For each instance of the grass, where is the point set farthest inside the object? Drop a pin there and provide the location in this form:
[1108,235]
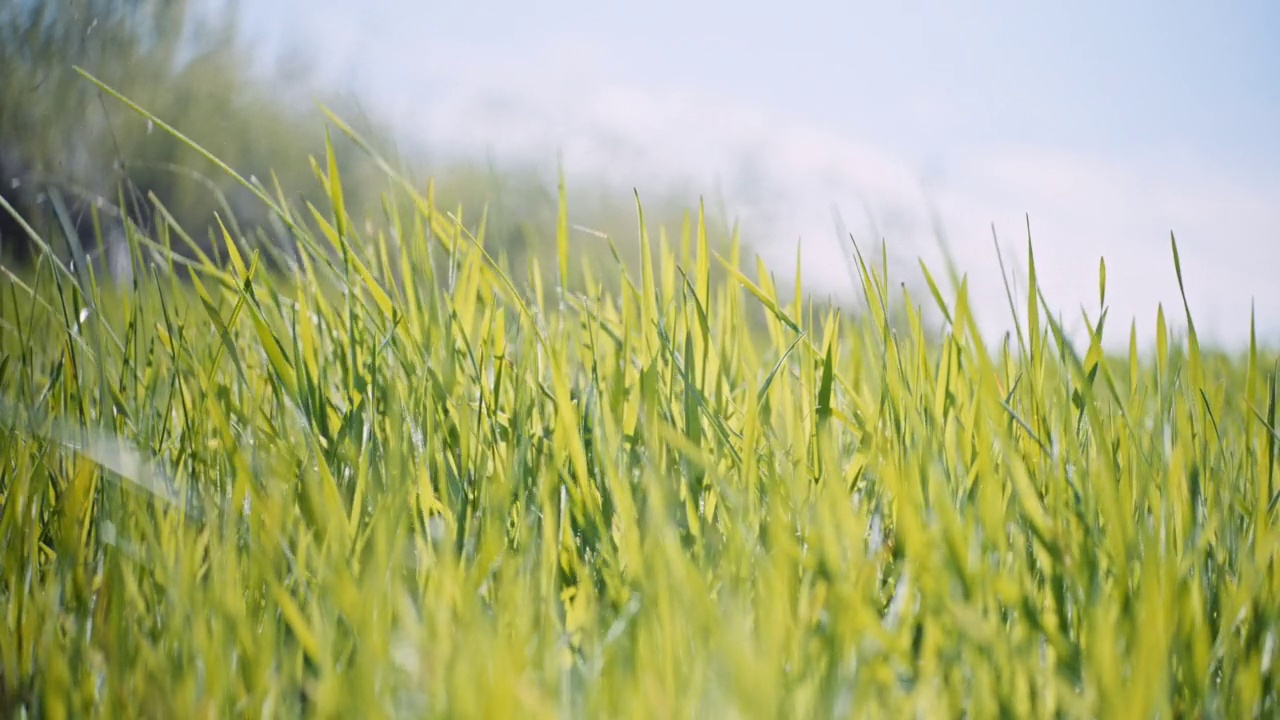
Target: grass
[401,478]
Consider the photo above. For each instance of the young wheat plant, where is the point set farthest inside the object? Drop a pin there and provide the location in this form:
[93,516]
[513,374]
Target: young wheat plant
[385,474]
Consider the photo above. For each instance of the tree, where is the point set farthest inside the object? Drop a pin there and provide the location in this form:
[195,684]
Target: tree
[183,61]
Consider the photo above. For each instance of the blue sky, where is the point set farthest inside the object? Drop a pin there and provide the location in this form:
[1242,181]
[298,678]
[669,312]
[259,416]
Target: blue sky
[1110,123]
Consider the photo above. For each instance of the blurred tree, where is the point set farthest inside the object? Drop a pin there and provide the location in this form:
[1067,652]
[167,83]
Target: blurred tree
[185,61]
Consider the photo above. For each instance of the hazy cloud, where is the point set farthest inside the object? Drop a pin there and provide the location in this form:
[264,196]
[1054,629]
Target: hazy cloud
[782,175]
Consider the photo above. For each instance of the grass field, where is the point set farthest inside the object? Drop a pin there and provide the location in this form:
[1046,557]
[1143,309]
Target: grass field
[403,479]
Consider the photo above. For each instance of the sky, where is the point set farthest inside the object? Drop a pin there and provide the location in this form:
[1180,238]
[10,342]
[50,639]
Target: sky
[1108,125]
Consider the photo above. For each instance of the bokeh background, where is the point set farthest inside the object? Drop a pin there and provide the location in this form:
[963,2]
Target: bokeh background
[922,125]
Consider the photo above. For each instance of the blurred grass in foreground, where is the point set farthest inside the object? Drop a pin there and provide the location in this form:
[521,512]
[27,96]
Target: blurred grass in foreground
[403,477]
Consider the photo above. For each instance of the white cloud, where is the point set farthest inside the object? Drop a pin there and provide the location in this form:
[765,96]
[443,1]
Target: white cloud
[1083,208]
[782,177]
